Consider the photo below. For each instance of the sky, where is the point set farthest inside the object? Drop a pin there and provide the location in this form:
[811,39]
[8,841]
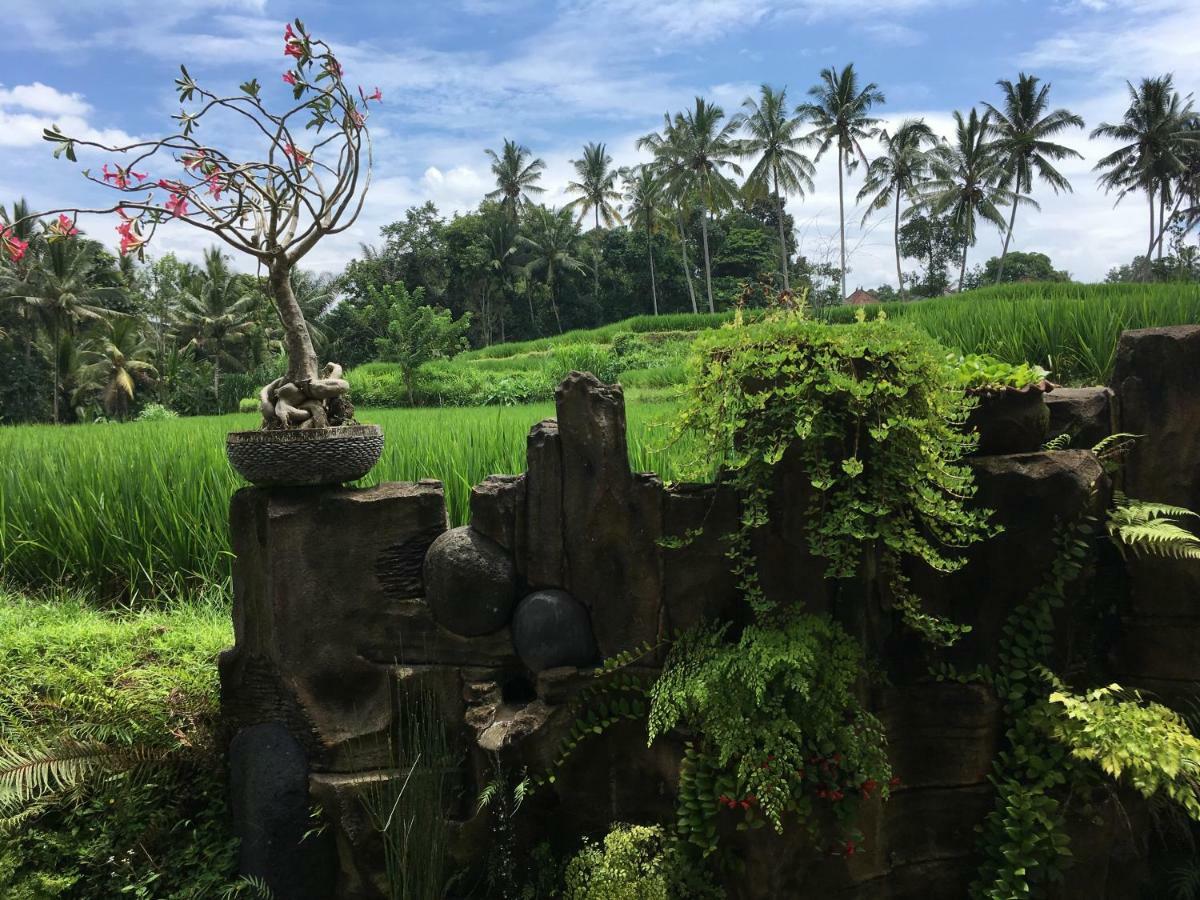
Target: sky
[458,76]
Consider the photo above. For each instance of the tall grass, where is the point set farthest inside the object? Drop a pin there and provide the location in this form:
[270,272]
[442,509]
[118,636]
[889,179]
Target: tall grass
[140,509]
[1071,329]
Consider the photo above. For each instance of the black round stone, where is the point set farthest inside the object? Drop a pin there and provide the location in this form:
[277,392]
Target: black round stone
[470,583]
[550,629]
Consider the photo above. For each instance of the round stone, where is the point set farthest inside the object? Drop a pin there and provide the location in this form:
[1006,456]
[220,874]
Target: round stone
[551,629]
[470,582]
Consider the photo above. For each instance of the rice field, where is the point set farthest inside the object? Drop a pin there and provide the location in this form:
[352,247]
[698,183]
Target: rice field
[1070,329]
[138,511]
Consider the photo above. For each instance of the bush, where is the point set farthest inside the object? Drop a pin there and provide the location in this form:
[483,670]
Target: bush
[635,862]
[248,405]
[156,412]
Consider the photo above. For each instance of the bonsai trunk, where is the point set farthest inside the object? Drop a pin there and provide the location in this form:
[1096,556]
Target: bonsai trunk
[301,398]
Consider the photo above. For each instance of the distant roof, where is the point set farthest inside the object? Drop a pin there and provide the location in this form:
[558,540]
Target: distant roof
[861,298]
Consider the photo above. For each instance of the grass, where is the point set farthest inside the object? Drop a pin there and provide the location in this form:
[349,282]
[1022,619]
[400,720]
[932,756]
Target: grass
[1070,329]
[140,510]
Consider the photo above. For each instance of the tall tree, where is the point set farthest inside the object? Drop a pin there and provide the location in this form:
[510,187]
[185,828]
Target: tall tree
[121,360]
[215,320]
[551,238]
[967,181]
[709,146]
[644,196]
[595,184]
[896,175]
[840,113]
[62,290]
[1155,131]
[1023,129]
[782,169]
[670,169]
[517,176]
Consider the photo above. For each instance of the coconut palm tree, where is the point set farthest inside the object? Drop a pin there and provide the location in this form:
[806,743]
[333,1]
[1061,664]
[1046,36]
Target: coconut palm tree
[121,359]
[670,171]
[708,146]
[1156,130]
[551,238]
[517,176]
[215,319]
[644,196]
[966,181]
[781,169]
[896,174]
[61,290]
[839,112]
[1022,129]
[596,187]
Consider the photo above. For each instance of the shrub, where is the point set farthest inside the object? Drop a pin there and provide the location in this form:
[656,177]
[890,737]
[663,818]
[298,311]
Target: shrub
[635,862]
[156,412]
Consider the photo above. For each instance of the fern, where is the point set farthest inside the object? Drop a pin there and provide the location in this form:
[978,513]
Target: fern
[1142,528]
[248,887]
[1115,444]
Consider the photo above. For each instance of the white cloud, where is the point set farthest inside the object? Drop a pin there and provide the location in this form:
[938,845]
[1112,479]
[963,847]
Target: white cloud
[42,98]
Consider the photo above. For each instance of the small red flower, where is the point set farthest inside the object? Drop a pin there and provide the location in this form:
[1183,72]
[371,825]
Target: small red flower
[131,238]
[290,78]
[177,205]
[895,781]
[367,98]
[851,848]
[333,67]
[119,178]
[297,155]
[214,185]
[868,786]
[292,45]
[62,227]
[13,245]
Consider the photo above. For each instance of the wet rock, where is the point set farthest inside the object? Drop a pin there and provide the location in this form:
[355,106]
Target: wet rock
[470,583]
[552,629]
[1086,414]
[495,508]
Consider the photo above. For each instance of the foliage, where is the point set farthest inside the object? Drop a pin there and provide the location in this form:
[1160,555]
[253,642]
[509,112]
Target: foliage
[1143,744]
[71,678]
[1018,267]
[779,721]
[1141,528]
[634,862]
[156,412]
[866,415]
[978,372]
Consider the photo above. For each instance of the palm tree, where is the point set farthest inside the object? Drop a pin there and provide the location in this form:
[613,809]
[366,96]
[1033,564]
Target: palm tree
[1156,132]
[897,174]
[550,241]
[708,148]
[1023,130]
[670,172]
[517,176]
[967,181]
[502,262]
[781,168]
[643,193]
[215,319]
[596,187]
[122,360]
[62,291]
[839,113]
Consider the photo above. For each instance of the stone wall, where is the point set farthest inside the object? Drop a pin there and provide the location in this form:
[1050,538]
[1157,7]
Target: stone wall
[345,597]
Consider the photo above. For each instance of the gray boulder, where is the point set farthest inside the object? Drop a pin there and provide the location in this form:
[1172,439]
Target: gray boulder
[552,629]
[470,583]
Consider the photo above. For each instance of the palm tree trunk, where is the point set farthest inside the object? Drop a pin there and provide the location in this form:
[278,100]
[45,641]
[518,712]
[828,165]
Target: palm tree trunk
[962,270]
[842,221]
[217,385]
[1150,246]
[554,301]
[596,258]
[687,270]
[54,357]
[653,280]
[707,265]
[783,254]
[896,241]
[1012,220]
[1162,219]
[529,299]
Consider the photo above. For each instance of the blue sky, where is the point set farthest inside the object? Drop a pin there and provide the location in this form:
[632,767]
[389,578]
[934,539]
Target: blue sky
[459,75]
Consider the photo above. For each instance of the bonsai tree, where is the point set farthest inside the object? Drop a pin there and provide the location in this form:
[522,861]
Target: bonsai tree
[275,209]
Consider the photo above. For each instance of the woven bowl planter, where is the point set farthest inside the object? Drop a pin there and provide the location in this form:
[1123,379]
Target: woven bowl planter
[305,456]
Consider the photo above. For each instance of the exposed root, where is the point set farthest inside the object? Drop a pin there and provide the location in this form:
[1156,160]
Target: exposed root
[308,403]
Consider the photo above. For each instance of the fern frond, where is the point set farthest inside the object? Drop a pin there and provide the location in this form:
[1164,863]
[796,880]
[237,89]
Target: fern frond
[1146,528]
[1062,442]
[1115,443]
[34,770]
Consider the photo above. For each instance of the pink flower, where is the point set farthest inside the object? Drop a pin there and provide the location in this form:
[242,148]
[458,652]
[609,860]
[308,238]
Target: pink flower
[333,67]
[62,228]
[193,161]
[177,205]
[366,98]
[298,156]
[292,45]
[118,178]
[214,186]
[13,245]
[131,238]
[290,78]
